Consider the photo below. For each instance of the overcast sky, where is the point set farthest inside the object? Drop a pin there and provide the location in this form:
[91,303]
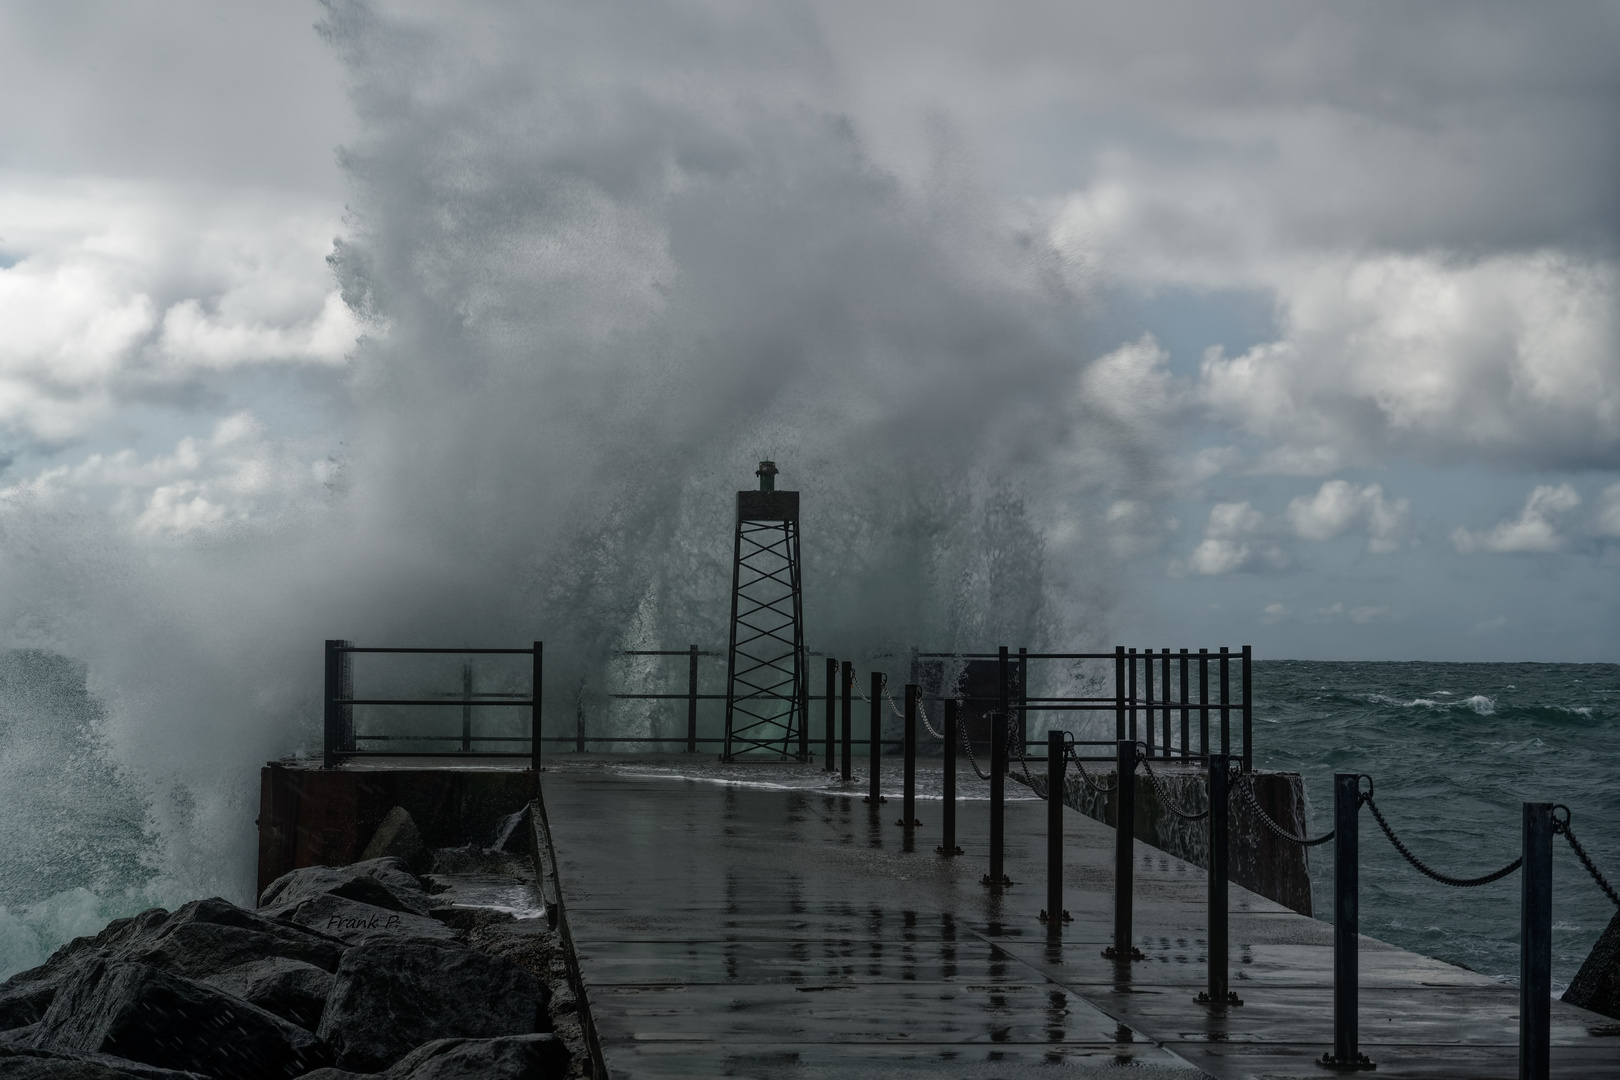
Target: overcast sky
[1343,275]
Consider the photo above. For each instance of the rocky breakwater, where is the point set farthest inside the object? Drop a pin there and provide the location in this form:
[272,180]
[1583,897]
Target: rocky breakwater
[342,972]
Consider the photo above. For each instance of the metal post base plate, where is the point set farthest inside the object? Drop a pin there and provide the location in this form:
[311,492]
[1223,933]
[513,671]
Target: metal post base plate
[1113,954]
[1065,917]
[1231,999]
[1005,882]
[1360,1064]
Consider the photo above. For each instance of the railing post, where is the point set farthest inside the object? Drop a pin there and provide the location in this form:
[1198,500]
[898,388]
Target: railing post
[1130,692]
[1151,713]
[331,717]
[466,706]
[1124,849]
[1164,681]
[832,707]
[1186,733]
[1535,944]
[875,731]
[947,840]
[908,805]
[691,698]
[345,691]
[1203,701]
[1248,710]
[1346,925]
[1226,702]
[1119,691]
[849,681]
[534,706]
[998,780]
[1055,769]
[1219,994]
[1023,702]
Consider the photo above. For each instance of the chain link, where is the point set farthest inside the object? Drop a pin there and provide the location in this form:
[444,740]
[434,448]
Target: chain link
[1068,748]
[922,712]
[1164,793]
[1406,853]
[1580,853]
[967,744]
[1244,785]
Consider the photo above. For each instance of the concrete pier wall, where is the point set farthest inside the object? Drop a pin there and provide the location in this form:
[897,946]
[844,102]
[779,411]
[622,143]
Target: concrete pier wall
[1259,861]
[309,816]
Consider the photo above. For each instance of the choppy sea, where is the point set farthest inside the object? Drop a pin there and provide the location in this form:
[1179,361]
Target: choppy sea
[1454,750]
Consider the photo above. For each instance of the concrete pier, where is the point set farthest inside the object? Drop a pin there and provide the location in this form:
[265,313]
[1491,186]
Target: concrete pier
[755,930]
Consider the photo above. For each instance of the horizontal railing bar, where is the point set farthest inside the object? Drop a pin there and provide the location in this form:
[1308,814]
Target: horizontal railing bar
[457,652]
[442,738]
[429,701]
[434,753]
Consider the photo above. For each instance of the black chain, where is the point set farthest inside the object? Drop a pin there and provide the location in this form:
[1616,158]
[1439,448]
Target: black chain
[1580,853]
[1245,784]
[1406,853]
[1164,794]
[1068,748]
[967,744]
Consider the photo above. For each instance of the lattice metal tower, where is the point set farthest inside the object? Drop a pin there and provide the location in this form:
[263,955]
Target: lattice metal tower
[767,686]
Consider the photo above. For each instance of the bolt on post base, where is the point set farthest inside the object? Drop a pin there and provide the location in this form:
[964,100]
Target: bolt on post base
[1231,999]
[1360,1063]
[1064,917]
[1114,954]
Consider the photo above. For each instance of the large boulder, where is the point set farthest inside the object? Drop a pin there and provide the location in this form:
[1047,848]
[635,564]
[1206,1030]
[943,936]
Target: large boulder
[390,998]
[33,1063]
[1596,985]
[292,989]
[206,937]
[385,883]
[397,837]
[515,1057]
[140,1012]
[356,923]
[26,995]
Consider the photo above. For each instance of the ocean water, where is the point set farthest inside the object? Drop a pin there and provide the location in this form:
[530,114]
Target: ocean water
[1454,749]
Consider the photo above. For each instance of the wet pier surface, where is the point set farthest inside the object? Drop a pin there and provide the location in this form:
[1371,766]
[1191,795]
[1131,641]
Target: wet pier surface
[782,931]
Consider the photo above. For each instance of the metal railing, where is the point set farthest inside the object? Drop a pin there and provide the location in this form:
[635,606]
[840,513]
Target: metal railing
[342,741]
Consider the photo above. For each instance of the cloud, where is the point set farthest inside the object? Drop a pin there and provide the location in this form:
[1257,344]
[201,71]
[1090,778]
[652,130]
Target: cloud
[1231,543]
[1339,507]
[120,292]
[1607,519]
[1512,359]
[1535,530]
[237,476]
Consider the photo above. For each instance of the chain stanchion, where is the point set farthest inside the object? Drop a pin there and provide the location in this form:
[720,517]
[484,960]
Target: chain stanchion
[1535,944]
[1124,852]
[1054,915]
[1346,1055]
[874,752]
[846,722]
[947,845]
[908,803]
[1219,994]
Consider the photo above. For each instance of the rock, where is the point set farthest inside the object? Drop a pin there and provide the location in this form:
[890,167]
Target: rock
[329,1073]
[22,1036]
[206,937]
[291,989]
[31,1063]
[384,883]
[26,995]
[397,836]
[356,923]
[1596,985]
[389,998]
[137,1011]
[515,1057]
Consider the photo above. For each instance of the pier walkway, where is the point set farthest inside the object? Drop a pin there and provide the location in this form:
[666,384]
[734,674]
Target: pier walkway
[773,932]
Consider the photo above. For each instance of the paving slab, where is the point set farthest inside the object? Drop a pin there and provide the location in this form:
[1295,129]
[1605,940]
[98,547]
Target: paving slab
[762,928]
